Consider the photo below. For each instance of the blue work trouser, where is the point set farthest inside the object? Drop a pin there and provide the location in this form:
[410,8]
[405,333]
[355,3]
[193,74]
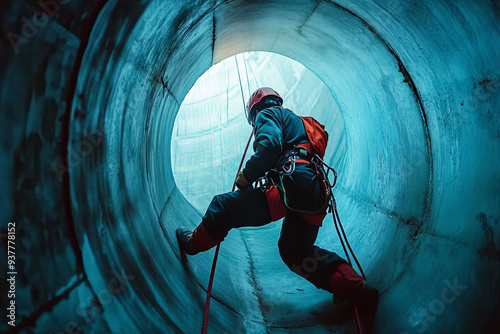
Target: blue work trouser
[249,207]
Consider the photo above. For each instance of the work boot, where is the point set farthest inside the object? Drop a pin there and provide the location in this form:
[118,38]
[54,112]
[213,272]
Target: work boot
[347,285]
[184,238]
[344,282]
[197,241]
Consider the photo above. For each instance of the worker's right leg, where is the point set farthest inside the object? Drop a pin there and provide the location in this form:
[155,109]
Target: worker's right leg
[226,211]
[325,269]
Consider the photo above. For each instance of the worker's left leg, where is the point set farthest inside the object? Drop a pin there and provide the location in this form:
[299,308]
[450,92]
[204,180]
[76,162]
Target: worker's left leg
[226,211]
[325,269]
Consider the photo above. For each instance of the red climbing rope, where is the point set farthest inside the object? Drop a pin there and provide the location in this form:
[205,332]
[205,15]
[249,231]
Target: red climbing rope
[343,238]
[214,263]
[357,320]
[209,292]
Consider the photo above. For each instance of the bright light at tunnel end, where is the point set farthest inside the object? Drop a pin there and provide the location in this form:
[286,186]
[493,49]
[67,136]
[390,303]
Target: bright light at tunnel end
[210,130]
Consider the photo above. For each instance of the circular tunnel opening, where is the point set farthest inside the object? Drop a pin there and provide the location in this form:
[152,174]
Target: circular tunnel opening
[210,130]
[208,139]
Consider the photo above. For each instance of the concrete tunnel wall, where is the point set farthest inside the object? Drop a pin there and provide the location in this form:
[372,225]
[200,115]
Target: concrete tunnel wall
[417,87]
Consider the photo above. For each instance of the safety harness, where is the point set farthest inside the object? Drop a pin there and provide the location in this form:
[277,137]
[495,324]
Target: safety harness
[285,167]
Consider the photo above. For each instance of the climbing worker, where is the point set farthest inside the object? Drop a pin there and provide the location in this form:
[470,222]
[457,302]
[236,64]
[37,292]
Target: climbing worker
[286,165]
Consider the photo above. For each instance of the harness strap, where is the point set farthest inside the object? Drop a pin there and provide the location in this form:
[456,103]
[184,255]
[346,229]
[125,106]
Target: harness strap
[307,146]
[305,154]
[286,166]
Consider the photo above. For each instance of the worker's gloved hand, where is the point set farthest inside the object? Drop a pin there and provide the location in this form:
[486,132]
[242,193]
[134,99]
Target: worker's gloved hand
[241,181]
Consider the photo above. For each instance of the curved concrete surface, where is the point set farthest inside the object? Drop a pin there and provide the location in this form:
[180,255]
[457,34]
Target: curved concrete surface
[417,86]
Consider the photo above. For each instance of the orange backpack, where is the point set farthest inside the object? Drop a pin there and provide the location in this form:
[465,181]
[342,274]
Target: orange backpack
[316,133]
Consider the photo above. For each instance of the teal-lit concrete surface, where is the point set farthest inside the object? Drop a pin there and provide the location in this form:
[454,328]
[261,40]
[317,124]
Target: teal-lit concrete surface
[417,86]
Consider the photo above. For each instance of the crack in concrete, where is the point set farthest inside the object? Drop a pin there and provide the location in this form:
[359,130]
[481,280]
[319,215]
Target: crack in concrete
[315,8]
[254,282]
[407,79]
[214,26]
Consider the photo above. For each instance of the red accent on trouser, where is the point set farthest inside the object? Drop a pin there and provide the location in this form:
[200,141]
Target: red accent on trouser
[277,208]
[201,240]
[345,281]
